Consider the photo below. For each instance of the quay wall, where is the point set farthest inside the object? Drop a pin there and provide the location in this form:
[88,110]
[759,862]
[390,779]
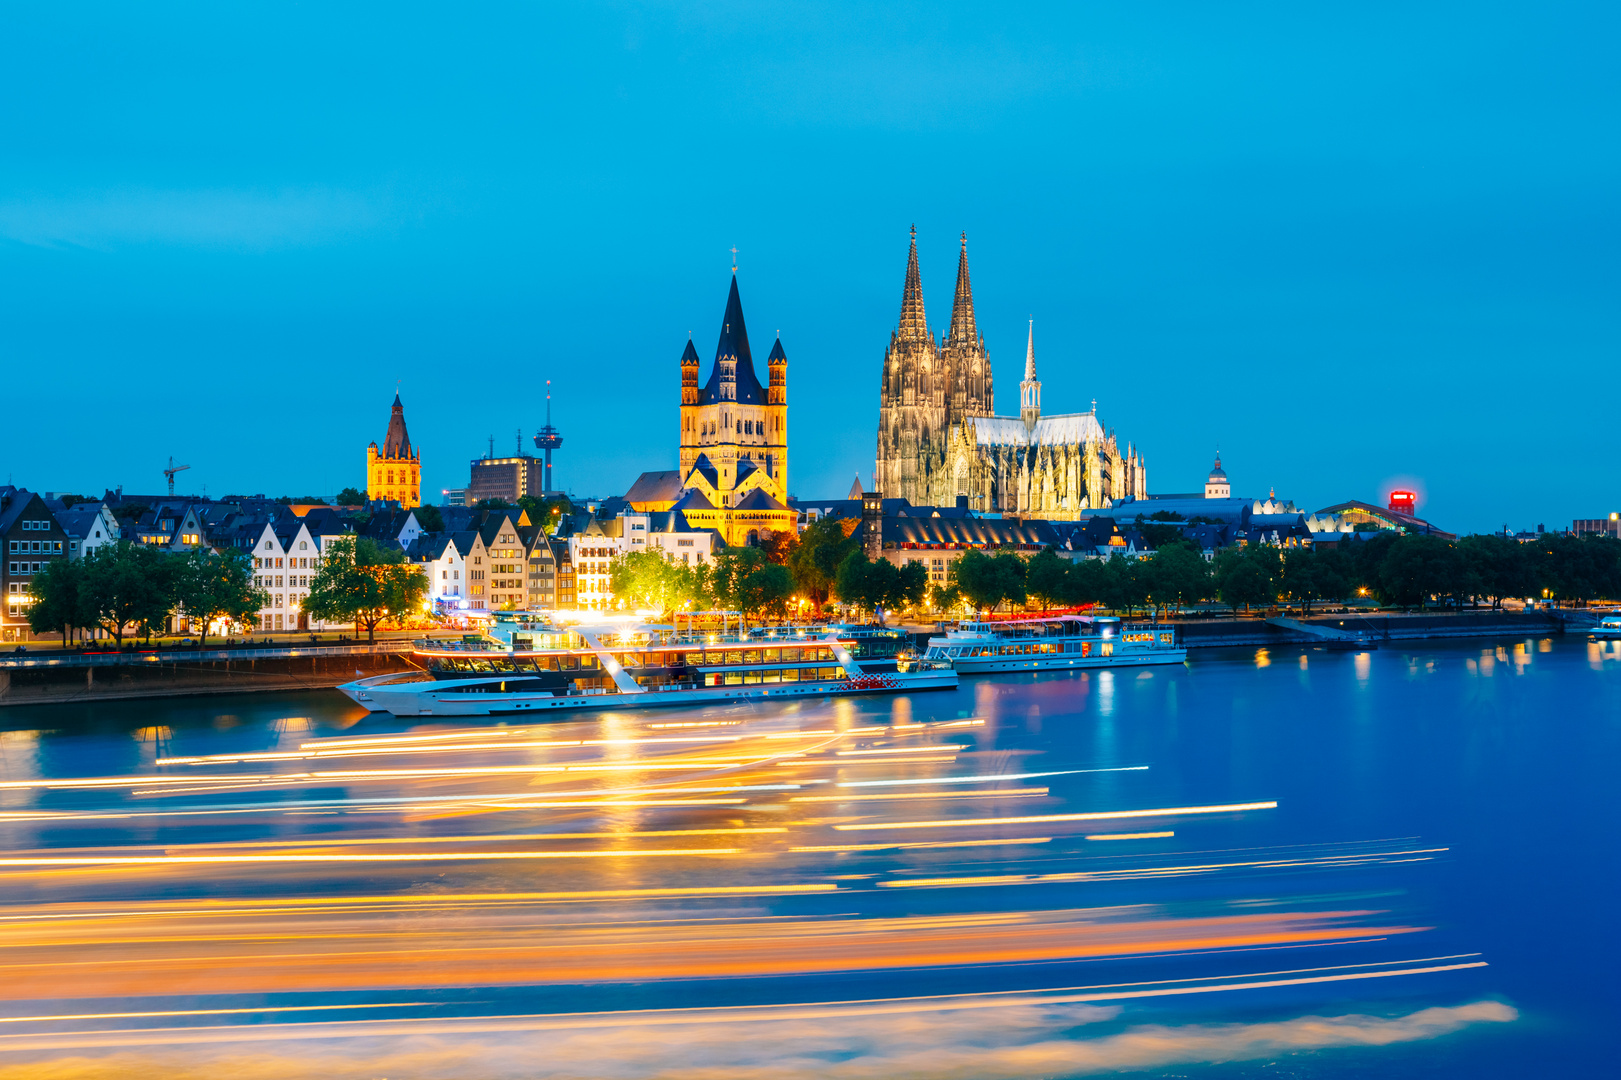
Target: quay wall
[174,675]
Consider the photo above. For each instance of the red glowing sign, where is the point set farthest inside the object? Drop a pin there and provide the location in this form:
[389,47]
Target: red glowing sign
[1403,502]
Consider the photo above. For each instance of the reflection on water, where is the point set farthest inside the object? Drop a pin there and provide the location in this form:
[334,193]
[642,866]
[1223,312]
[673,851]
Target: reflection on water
[1032,876]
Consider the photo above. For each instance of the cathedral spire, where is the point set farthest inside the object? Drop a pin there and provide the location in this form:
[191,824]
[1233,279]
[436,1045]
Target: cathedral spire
[963,331]
[1030,389]
[914,324]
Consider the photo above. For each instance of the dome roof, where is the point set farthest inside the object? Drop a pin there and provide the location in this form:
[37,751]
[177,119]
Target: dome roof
[1216,474]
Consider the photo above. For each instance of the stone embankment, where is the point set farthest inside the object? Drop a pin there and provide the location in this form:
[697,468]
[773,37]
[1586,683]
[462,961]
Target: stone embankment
[56,678]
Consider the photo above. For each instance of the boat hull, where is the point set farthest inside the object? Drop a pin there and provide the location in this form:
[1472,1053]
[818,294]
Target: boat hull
[443,699]
[984,665]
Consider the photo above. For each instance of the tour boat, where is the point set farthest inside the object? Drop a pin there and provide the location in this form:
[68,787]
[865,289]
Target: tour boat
[1608,627]
[1064,643]
[524,664]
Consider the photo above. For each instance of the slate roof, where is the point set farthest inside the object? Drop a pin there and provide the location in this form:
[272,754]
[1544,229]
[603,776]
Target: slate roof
[693,500]
[733,345]
[758,500]
[655,487]
[705,466]
[397,444]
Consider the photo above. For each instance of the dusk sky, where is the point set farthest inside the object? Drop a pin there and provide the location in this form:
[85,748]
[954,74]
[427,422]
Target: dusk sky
[1351,247]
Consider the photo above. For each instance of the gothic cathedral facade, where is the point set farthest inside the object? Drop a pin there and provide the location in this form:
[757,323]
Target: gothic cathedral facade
[939,437]
[394,472]
[734,437]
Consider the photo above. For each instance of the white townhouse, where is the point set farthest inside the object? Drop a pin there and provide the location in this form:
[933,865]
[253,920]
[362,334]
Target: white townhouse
[285,558]
[89,526]
[443,564]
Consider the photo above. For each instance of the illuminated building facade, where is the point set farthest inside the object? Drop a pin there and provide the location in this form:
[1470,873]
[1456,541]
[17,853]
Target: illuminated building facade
[939,437]
[394,472]
[734,437]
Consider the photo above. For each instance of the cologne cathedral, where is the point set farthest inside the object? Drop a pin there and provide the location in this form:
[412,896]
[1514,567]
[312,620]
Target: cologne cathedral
[939,438]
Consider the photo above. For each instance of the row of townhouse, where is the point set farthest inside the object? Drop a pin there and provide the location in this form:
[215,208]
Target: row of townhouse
[484,560]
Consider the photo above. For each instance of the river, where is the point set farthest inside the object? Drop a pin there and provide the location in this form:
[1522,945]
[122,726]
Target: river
[1293,863]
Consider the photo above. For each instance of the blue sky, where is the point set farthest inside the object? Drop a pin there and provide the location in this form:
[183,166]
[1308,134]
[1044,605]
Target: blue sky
[1349,245]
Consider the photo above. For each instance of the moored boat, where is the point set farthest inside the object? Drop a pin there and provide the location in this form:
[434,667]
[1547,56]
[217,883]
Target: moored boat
[1608,628]
[525,664]
[1061,643]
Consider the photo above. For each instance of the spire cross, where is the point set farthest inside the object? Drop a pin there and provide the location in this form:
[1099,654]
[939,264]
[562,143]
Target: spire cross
[734,258]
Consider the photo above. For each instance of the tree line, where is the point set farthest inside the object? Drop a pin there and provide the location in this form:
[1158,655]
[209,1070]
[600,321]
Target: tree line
[123,585]
[826,562]
[126,585]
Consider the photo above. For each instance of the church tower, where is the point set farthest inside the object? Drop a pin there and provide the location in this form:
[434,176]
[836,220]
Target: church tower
[734,436]
[395,472]
[1030,389]
[912,398]
[963,356]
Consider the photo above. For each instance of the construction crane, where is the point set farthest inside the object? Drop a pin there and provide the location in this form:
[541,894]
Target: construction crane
[171,470]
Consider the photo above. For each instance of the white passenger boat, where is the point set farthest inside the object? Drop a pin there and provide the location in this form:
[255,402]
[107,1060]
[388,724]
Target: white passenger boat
[1608,627]
[1065,643]
[526,665]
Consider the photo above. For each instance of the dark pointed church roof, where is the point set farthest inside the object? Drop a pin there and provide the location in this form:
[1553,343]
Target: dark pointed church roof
[691,353]
[758,500]
[914,323]
[777,353]
[397,445]
[734,346]
[963,331]
[693,500]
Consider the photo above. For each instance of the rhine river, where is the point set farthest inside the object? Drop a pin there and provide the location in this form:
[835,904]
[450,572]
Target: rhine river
[1293,863]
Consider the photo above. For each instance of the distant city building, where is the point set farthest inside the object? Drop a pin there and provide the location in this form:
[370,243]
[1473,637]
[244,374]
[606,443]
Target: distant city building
[939,437]
[1610,526]
[1216,485]
[506,478]
[453,497]
[1404,502]
[734,437]
[394,473]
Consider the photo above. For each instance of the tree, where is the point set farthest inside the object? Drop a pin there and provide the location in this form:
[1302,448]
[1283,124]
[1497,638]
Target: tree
[1246,576]
[1505,567]
[1125,584]
[364,583]
[208,586]
[55,590]
[350,496]
[881,585]
[815,560]
[430,518]
[1176,575]
[649,579]
[766,588]
[1045,578]
[1084,583]
[1416,568]
[974,575]
[123,583]
[543,512]
[492,503]
[778,546]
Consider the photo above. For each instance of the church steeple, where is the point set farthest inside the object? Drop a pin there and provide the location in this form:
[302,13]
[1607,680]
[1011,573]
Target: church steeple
[963,331]
[914,325]
[1030,388]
